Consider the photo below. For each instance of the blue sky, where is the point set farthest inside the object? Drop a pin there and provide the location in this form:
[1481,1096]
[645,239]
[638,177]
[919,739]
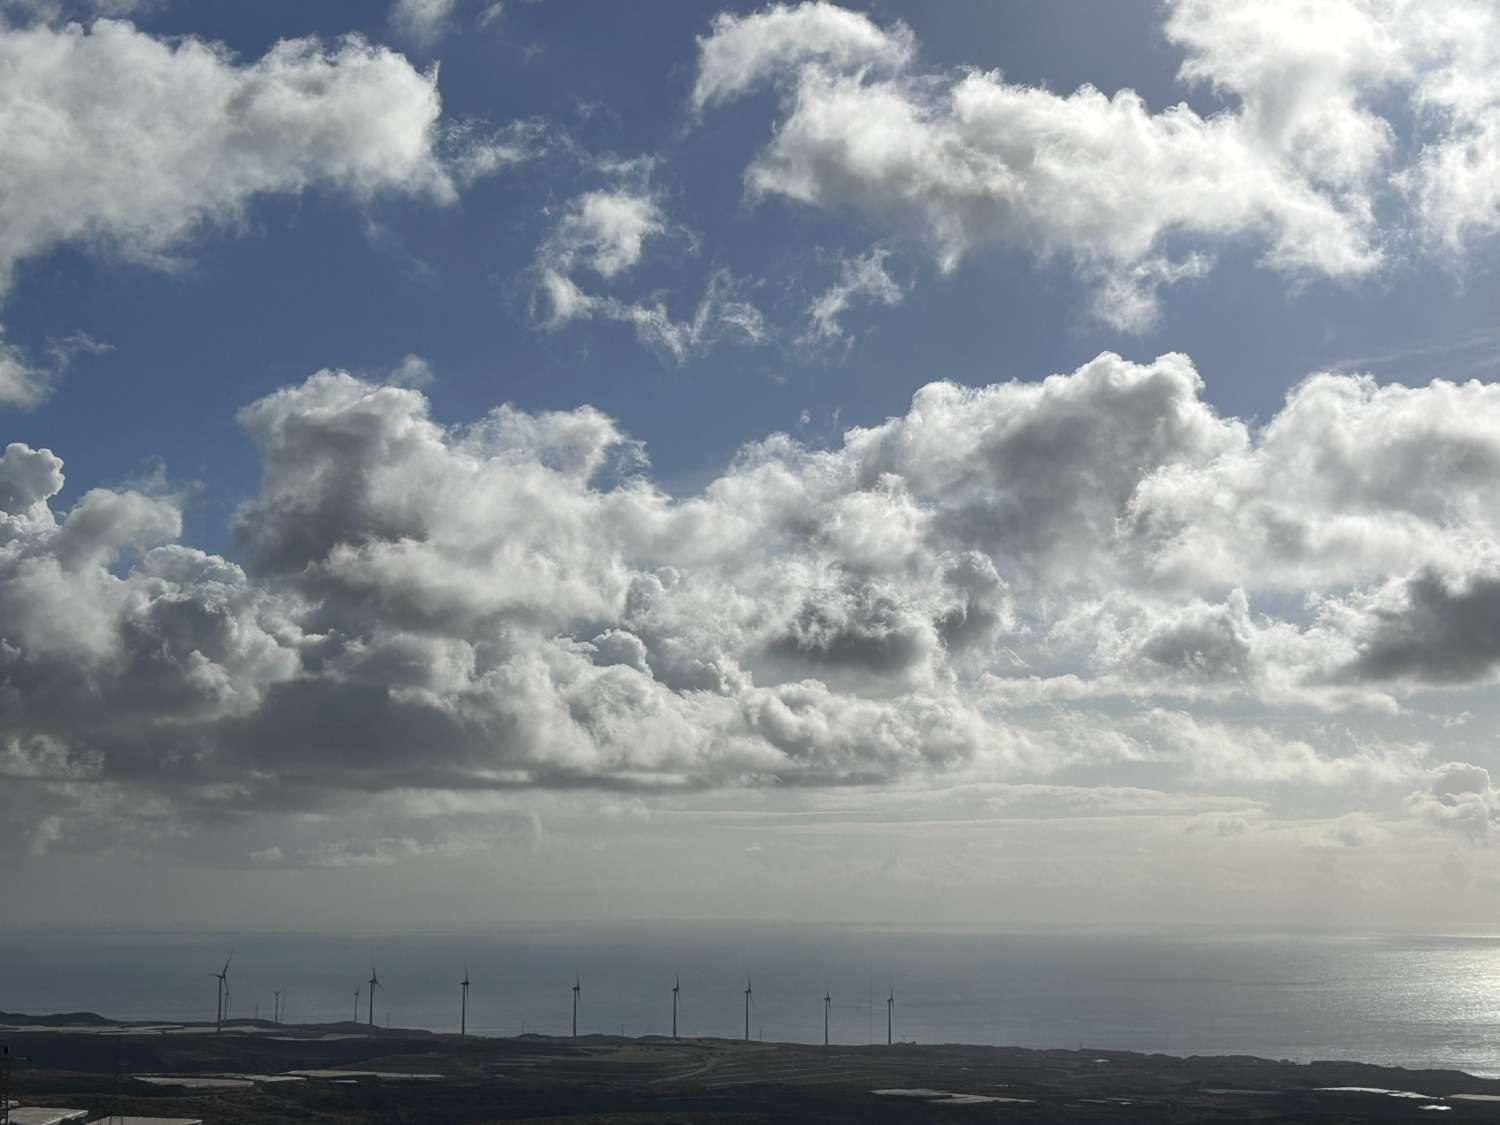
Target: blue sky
[397,416]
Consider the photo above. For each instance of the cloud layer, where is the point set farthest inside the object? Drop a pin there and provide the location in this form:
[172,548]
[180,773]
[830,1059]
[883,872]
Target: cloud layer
[1021,581]
[1032,589]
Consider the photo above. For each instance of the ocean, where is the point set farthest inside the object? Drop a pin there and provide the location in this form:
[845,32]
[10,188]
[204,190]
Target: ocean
[1405,999]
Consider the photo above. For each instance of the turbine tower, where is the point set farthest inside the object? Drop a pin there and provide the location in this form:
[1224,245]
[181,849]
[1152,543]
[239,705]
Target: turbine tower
[276,1005]
[463,1011]
[747,1008]
[223,976]
[357,992]
[827,1003]
[676,988]
[890,1009]
[374,983]
[577,988]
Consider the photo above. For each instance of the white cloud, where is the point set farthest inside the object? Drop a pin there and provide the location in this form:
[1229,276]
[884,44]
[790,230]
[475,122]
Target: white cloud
[723,313]
[412,371]
[422,22]
[1309,77]
[1460,798]
[1217,752]
[1349,477]
[863,277]
[22,384]
[1299,163]
[123,141]
[976,590]
[472,151]
[741,50]
[128,144]
[605,232]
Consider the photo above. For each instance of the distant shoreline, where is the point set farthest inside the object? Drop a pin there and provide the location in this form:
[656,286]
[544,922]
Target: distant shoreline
[93,1025]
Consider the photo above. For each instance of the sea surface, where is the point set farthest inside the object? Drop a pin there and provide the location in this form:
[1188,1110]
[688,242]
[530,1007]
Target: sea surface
[1404,1000]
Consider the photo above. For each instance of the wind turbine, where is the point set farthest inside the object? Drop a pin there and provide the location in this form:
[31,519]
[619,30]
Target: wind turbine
[463,1011]
[276,1005]
[223,975]
[374,983]
[577,988]
[676,988]
[357,991]
[890,1010]
[747,1008]
[827,1003]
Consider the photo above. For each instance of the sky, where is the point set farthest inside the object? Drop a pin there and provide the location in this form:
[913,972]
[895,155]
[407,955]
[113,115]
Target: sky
[965,464]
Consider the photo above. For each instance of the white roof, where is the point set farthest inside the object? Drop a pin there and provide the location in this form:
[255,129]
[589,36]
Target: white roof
[45,1115]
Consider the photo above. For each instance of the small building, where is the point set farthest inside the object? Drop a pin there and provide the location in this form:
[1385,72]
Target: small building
[127,1120]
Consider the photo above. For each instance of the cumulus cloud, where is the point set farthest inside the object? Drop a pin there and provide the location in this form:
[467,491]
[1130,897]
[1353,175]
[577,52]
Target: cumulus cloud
[1459,798]
[119,646]
[1299,163]
[151,139]
[990,586]
[1432,627]
[1204,641]
[741,50]
[128,144]
[1349,477]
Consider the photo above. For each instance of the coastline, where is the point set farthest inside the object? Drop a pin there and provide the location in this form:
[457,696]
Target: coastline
[259,1071]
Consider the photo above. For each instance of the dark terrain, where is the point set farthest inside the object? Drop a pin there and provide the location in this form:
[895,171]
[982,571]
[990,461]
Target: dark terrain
[604,1079]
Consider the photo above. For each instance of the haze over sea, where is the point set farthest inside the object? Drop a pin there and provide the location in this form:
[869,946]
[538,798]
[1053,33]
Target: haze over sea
[1411,1000]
